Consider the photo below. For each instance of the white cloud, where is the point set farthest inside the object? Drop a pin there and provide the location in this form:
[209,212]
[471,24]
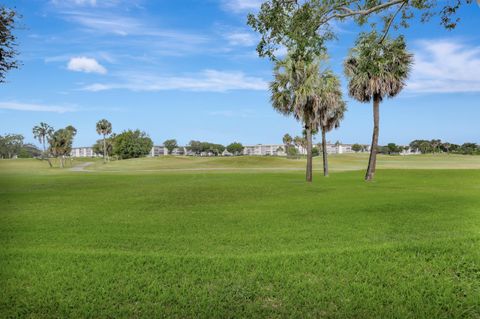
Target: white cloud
[87,65]
[445,66]
[241,5]
[241,38]
[207,80]
[93,3]
[16,106]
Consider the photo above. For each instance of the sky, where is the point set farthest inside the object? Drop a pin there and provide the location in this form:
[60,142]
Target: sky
[188,70]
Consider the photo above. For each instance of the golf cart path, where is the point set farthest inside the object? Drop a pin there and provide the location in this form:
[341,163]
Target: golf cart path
[81,167]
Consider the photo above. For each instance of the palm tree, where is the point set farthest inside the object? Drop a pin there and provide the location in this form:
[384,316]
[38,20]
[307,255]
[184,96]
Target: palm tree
[332,109]
[377,68]
[293,93]
[41,133]
[104,128]
[287,141]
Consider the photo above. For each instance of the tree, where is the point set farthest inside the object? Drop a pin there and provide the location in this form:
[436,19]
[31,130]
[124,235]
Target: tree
[195,147]
[292,152]
[287,141]
[294,91]
[170,145]
[332,108]
[235,148]
[435,145]
[132,144]
[10,145]
[393,148]
[376,68]
[104,128]
[305,26]
[61,143]
[29,151]
[469,149]
[299,142]
[41,133]
[357,147]
[446,147]
[216,149]
[8,52]
[99,145]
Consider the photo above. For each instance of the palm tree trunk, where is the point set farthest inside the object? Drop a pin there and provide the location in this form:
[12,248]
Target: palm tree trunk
[372,162]
[309,154]
[45,155]
[325,155]
[104,150]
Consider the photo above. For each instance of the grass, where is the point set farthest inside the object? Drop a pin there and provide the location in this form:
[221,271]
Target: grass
[240,243]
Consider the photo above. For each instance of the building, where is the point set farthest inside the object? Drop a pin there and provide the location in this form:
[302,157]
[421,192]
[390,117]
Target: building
[83,152]
[410,151]
[265,150]
[161,150]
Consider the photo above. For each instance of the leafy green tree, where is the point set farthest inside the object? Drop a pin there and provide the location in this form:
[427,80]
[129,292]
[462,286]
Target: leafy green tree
[292,152]
[132,144]
[195,147]
[235,148]
[304,27]
[216,149]
[356,147]
[107,144]
[8,52]
[170,145]
[10,145]
[469,149]
[29,151]
[393,148]
[377,68]
[104,128]
[315,151]
[41,132]
[61,142]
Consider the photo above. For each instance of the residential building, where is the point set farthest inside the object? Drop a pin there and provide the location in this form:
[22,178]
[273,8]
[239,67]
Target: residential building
[161,150]
[83,152]
[265,150]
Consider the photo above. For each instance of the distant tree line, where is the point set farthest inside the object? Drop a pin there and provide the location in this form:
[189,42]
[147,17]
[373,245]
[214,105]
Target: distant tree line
[208,148]
[437,146]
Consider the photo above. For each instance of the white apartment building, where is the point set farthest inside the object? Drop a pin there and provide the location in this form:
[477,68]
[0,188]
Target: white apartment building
[265,150]
[83,152]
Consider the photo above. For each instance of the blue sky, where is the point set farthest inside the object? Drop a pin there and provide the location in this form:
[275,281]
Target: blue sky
[189,70]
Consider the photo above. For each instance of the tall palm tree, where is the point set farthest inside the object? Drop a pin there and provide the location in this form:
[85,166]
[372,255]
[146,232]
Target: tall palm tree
[104,128]
[377,67]
[332,109]
[293,93]
[41,133]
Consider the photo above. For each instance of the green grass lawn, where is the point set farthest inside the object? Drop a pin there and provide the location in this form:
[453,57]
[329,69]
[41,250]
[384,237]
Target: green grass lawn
[188,238]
